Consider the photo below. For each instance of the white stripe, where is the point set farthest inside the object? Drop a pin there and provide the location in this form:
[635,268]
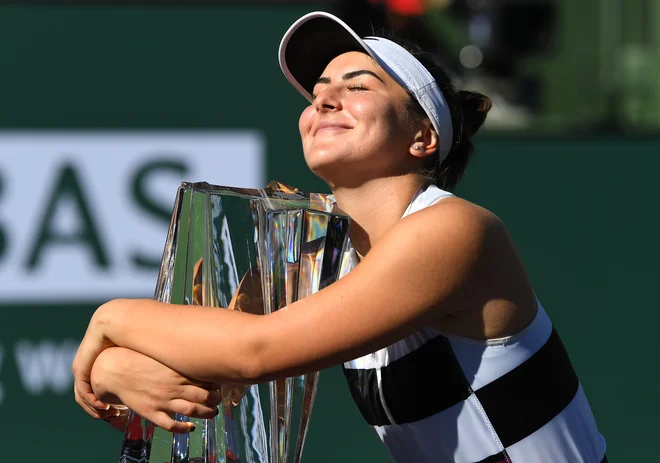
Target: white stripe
[436,438]
[384,357]
[425,198]
[572,436]
[386,409]
[483,362]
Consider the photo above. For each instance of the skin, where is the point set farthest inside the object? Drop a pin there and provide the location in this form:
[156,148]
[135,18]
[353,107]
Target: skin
[451,266]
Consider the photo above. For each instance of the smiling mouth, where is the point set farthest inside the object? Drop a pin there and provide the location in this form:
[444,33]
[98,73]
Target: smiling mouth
[331,128]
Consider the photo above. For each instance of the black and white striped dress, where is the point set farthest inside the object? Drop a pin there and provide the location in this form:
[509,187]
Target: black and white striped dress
[435,397]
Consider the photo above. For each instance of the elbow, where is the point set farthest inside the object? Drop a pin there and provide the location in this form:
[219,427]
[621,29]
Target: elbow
[263,354]
[252,367]
[251,371]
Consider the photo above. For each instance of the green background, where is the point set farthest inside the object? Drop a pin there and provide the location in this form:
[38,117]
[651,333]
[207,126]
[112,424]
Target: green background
[582,209]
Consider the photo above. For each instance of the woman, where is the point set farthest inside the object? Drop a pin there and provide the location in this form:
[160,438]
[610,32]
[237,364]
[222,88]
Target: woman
[447,352]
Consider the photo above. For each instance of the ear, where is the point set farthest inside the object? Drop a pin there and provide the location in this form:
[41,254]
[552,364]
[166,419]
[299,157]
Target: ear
[425,142]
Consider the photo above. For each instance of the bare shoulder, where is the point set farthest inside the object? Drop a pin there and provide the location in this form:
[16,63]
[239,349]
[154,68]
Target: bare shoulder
[466,252]
[440,246]
[450,223]
[461,210]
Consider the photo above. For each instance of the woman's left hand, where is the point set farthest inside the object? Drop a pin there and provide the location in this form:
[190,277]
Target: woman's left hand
[94,342]
[150,389]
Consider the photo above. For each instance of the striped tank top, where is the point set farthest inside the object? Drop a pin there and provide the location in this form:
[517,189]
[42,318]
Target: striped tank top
[435,397]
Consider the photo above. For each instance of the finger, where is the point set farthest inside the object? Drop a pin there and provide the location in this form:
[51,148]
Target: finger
[99,414]
[114,413]
[84,390]
[85,406]
[201,384]
[166,422]
[94,412]
[198,395]
[214,399]
[89,410]
[190,409]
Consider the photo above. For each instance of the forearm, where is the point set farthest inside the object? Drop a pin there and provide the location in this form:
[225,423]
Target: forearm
[208,344]
[102,375]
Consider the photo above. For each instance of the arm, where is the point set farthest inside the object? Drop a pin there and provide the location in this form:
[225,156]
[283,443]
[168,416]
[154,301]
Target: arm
[408,281]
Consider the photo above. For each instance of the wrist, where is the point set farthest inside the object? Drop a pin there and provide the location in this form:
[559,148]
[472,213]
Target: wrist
[104,371]
[107,320]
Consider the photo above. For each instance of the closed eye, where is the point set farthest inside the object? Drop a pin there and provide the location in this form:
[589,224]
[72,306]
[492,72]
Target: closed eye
[353,87]
[349,76]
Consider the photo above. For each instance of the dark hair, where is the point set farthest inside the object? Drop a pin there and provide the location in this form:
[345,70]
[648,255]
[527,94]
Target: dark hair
[468,112]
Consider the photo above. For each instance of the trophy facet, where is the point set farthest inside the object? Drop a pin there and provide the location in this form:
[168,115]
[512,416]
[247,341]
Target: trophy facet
[255,251]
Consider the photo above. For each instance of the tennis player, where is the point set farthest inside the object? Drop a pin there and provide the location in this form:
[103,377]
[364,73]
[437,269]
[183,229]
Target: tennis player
[446,349]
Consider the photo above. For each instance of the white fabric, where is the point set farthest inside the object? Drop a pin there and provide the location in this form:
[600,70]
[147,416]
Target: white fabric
[483,362]
[442,444]
[384,357]
[571,437]
[426,197]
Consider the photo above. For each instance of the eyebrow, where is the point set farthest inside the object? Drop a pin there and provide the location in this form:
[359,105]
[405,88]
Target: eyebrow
[350,75]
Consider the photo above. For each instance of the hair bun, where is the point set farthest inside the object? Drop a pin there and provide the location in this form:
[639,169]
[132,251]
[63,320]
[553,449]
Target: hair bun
[475,108]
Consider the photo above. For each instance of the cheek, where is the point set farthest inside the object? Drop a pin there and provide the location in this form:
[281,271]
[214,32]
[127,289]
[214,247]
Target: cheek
[360,108]
[380,120]
[306,119]
[369,109]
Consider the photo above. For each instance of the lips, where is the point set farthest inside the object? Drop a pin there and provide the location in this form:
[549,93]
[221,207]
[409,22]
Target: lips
[329,126]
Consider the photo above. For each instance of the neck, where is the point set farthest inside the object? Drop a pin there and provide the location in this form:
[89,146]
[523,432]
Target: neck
[375,206]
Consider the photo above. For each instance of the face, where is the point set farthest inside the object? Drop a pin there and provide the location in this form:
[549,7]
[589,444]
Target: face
[358,126]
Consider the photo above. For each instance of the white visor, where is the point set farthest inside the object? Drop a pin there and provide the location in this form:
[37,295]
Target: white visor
[316,38]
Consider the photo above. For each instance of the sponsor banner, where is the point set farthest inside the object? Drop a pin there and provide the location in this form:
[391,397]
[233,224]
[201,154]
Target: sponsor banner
[84,215]
[42,366]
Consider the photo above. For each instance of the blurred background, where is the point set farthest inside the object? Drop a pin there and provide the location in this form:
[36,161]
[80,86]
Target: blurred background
[105,109]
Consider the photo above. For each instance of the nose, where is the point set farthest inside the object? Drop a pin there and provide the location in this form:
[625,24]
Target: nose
[327,100]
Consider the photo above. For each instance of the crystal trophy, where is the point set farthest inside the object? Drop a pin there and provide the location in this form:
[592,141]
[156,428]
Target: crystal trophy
[255,251]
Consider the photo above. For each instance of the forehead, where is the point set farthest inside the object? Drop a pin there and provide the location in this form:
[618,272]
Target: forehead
[355,60]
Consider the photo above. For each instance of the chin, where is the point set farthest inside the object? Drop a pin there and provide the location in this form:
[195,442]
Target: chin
[319,160]
[323,172]
[337,174]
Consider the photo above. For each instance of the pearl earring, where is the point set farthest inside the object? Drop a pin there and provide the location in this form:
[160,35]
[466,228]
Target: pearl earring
[417,147]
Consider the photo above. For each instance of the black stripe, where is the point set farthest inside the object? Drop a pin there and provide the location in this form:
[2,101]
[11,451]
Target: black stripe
[363,385]
[418,385]
[499,458]
[529,396]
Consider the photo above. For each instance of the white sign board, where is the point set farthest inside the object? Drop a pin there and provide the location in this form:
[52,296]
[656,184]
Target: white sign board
[84,215]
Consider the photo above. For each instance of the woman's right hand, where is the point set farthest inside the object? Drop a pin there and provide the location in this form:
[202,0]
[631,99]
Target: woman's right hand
[151,389]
